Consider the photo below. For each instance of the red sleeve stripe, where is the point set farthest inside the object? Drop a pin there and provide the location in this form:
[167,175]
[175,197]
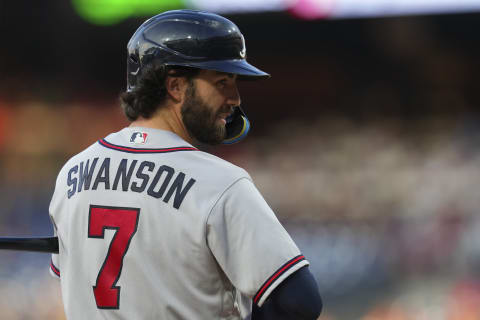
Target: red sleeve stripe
[276,275]
[54,269]
[109,145]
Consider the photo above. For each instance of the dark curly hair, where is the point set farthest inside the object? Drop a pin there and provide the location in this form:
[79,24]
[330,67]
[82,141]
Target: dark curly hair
[150,92]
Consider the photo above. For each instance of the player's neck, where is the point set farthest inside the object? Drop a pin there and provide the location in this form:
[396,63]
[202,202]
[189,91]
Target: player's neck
[165,119]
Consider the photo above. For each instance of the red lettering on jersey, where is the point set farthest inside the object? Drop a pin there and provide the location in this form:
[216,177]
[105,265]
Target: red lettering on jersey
[125,222]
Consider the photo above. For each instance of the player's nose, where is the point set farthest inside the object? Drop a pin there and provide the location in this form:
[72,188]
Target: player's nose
[233,96]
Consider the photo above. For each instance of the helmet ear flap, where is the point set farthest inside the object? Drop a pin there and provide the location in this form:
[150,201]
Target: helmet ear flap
[237,126]
[133,68]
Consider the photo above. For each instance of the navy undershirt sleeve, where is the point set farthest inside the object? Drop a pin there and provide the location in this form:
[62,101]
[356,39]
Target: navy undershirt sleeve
[297,297]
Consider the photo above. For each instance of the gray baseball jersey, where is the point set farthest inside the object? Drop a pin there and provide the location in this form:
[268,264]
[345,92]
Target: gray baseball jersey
[152,228]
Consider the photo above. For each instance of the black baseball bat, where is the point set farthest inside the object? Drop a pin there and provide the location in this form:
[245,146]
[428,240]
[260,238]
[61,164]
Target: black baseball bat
[40,244]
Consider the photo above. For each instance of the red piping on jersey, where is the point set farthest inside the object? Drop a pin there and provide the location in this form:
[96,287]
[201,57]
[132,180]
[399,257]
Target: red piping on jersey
[54,269]
[107,144]
[277,274]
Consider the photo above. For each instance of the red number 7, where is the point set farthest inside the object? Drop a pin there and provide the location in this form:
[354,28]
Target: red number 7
[125,222]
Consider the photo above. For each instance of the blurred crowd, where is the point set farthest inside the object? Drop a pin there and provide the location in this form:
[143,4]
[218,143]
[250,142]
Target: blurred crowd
[386,211]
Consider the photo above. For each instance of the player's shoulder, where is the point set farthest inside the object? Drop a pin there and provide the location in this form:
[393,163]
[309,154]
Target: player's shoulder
[75,159]
[211,165]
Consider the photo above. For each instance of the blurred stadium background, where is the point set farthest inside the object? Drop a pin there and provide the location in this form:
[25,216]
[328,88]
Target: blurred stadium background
[366,141]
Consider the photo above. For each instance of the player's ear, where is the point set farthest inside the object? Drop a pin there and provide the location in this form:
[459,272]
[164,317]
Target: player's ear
[176,87]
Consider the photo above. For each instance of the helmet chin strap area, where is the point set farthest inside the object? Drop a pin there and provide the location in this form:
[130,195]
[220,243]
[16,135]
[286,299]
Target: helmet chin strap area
[237,126]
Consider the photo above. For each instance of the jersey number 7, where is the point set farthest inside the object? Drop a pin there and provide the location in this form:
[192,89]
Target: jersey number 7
[125,222]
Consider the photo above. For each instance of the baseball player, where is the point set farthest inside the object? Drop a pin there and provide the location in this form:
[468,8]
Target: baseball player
[149,226]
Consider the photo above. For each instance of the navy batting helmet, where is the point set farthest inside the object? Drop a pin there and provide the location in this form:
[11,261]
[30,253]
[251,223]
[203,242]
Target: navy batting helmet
[194,39]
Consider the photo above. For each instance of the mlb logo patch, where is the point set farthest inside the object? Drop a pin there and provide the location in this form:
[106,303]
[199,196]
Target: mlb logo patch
[139,137]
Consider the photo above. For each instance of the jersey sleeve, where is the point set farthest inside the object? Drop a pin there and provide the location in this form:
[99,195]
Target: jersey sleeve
[53,210]
[55,260]
[249,243]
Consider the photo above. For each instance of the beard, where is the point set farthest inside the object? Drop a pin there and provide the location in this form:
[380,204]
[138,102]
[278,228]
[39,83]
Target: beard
[200,120]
